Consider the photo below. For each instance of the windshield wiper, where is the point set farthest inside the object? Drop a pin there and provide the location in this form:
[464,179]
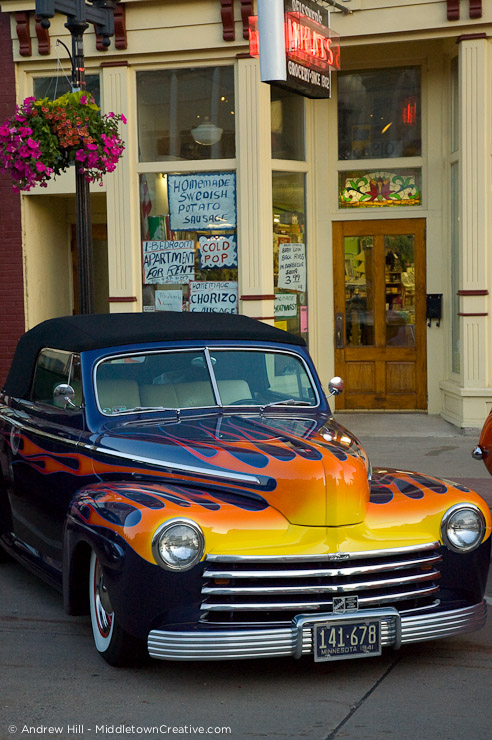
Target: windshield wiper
[286,402]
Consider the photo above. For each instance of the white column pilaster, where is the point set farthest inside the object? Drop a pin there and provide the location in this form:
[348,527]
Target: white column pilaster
[122,201]
[475,208]
[254,182]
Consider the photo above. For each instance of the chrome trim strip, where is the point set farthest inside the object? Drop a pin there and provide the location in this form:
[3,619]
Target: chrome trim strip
[324,573]
[232,644]
[314,605]
[239,477]
[321,588]
[327,557]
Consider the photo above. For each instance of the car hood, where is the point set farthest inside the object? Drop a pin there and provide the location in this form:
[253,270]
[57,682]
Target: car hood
[310,469]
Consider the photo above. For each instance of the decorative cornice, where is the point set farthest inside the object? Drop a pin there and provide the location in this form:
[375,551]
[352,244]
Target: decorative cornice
[475,8]
[472,292]
[120,37]
[246,11]
[227,14]
[22,29]
[43,36]
[471,37]
[122,299]
[453,10]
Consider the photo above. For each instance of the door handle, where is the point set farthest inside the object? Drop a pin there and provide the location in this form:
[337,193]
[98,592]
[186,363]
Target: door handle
[339,332]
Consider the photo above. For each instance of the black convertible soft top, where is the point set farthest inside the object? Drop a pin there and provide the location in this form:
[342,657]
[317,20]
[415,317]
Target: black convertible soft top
[94,331]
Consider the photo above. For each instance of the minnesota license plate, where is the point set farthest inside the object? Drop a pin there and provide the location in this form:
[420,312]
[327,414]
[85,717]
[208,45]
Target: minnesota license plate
[339,640]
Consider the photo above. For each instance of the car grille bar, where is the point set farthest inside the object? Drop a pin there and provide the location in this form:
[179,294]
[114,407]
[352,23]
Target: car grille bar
[406,577]
[234,644]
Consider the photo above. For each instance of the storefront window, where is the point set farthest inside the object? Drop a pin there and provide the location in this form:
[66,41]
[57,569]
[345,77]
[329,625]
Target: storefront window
[189,242]
[287,115]
[399,258]
[289,252]
[53,87]
[359,291]
[379,113]
[373,189]
[186,114]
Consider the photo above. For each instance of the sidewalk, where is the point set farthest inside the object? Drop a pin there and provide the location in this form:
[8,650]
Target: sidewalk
[423,443]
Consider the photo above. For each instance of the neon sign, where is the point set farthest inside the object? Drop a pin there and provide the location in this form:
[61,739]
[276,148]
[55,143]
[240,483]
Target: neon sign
[306,41]
[306,49]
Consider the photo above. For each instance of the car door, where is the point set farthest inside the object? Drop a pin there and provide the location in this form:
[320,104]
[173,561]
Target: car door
[45,463]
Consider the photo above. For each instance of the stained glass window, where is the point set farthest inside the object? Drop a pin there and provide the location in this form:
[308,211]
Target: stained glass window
[377,188]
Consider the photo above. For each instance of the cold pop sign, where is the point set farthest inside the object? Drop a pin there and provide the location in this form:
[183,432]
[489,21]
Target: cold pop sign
[218,251]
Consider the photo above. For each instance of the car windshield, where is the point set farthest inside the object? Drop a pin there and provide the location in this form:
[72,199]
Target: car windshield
[203,378]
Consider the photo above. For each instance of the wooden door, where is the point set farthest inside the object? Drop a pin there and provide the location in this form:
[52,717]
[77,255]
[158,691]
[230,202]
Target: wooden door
[380,308]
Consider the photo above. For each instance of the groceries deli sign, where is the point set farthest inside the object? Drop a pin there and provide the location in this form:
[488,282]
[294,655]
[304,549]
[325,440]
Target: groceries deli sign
[296,47]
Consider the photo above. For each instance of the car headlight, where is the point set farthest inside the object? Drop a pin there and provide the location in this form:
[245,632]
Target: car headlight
[463,527]
[178,544]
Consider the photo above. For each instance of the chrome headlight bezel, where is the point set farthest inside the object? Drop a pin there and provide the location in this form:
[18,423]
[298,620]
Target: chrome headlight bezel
[164,531]
[450,539]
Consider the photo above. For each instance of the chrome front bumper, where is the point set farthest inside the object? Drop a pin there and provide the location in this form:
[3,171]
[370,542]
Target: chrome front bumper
[297,639]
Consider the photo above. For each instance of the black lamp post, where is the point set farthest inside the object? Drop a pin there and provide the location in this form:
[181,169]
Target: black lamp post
[79,15]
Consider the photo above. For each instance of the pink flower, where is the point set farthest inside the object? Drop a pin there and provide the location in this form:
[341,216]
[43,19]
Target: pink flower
[123,119]
[83,100]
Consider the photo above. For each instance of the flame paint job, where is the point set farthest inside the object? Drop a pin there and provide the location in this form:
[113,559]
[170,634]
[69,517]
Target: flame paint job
[314,495]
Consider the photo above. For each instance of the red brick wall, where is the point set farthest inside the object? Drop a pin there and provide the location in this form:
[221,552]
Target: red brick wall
[11,276]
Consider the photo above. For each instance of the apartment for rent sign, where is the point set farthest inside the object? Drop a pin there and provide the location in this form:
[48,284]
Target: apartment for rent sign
[168,262]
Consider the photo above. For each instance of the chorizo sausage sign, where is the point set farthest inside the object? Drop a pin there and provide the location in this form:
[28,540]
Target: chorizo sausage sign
[218,297]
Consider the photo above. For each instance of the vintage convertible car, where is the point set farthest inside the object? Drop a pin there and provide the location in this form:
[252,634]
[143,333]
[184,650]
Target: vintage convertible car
[181,478]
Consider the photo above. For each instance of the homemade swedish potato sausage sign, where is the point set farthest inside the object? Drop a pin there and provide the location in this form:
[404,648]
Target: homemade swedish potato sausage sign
[218,251]
[201,202]
[168,261]
[218,297]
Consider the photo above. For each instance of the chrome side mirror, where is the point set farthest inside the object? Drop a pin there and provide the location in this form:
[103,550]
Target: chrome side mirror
[335,386]
[64,396]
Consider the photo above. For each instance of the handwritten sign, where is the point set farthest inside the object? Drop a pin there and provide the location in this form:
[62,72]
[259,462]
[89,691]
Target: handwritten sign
[168,300]
[201,202]
[168,262]
[218,251]
[285,306]
[292,266]
[218,297]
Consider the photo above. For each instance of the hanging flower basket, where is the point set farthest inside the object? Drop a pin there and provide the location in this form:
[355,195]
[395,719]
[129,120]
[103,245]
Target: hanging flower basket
[46,136]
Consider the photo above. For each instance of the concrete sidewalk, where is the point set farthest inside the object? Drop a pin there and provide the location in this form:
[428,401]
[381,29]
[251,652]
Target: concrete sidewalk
[420,442]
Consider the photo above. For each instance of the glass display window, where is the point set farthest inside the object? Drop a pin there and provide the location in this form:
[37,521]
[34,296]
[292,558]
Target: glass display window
[189,242]
[186,114]
[379,113]
[289,252]
[53,87]
[288,124]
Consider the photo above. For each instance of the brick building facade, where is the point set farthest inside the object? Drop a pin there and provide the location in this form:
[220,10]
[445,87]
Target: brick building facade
[11,271]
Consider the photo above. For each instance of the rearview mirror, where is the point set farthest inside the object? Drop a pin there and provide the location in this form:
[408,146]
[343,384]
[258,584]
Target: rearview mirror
[63,396]
[336,386]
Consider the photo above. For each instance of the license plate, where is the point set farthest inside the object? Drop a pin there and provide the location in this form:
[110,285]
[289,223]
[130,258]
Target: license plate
[342,639]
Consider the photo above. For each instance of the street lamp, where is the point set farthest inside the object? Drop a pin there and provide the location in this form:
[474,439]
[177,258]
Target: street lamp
[79,15]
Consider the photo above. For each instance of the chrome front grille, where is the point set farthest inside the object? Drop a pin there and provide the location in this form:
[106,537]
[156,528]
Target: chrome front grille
[274,589]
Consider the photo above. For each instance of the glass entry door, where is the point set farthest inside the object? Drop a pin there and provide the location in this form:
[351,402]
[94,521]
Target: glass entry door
[380,330]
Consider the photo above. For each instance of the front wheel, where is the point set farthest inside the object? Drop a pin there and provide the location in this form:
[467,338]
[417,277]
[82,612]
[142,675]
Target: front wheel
[115,645]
